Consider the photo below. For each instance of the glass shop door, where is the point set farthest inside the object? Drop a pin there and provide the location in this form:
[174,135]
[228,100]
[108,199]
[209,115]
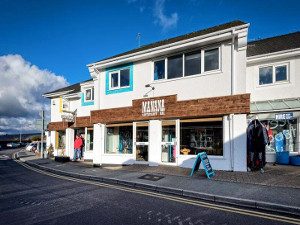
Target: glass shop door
[142,141]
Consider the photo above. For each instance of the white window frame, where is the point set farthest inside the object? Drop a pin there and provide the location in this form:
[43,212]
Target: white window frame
[92,94]
[203,61]
[65,101]
[202,72]
[119,79]
[274,66]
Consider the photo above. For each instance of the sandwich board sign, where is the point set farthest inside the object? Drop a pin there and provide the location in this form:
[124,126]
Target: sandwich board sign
[202,157]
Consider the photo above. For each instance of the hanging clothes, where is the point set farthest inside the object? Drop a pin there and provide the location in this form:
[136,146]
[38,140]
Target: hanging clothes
[257,139]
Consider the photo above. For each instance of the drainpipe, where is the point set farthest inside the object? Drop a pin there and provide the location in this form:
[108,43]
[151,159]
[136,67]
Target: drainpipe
[231,130]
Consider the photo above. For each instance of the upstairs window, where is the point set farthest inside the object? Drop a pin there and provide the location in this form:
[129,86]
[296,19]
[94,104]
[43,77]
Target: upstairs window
[266,75]
[281,73]
[187,64]
[89,94]
[175,66]
[211,59]
[119,79]
[192,63]
[159,70]
[273,74]
[65,104]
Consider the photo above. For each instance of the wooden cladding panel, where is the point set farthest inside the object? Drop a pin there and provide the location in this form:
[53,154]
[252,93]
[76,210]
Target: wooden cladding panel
[84,121]
[58,125]
[206,107]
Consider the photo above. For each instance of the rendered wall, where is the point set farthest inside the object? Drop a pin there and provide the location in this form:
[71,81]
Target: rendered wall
[288,89]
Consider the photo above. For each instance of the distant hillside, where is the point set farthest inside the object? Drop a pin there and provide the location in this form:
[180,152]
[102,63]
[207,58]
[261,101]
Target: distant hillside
[16,137]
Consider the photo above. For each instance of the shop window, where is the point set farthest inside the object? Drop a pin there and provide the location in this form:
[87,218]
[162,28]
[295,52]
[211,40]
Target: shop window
[60,140]
[89,94]
[282,134]
[119,79]
[211,59]
[175,66]
[198,136]
[159,70]
[89,139]
[119,139]
[273,74]
[192,64]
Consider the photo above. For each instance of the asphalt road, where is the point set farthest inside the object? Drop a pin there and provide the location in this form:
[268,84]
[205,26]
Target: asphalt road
[30,197]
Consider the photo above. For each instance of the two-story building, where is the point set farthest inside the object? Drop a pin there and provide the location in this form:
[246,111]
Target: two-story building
[165,102]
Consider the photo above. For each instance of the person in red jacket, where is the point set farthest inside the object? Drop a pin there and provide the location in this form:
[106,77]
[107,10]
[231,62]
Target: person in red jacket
[77,147]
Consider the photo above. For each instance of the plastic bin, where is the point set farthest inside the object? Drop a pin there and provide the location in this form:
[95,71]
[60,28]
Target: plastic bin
[295,160]
[282,157]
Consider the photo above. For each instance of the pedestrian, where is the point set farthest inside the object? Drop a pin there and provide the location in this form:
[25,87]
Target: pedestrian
[82,146]
[77,147]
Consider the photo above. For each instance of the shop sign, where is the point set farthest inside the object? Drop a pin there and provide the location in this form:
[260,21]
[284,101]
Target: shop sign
[153,107]
[202,157]
[284,116]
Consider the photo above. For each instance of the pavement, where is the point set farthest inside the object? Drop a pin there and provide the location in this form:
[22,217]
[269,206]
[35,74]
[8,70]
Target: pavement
[276,190]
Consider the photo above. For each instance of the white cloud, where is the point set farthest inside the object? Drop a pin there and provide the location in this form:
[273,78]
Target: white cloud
[21,87]
[166,22]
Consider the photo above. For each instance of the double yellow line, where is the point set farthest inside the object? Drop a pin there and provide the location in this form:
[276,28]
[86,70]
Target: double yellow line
[199,203]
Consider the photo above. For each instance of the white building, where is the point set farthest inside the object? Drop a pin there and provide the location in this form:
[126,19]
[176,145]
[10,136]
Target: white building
[165,102]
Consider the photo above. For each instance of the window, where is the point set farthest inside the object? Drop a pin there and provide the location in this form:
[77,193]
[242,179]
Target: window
[89,94]
[198,136]
[192,64]
[60,140]
[272,74]
[119,79]
[64,104]
[119,139]
[89,139]
[159,70]
[281,73]
[114,80]
[187,64]
[175,66]
[124,78]
[266,75]
[211,59]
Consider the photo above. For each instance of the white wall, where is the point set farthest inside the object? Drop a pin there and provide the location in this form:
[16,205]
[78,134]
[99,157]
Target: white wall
[210,84]
[290,89]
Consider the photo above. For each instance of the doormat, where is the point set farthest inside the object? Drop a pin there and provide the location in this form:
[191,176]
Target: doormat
[151,177]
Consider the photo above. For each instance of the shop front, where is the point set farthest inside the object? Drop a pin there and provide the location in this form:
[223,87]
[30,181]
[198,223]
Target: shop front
[162,130]
[283,132]
[84,128]
[281,117]
[58,137]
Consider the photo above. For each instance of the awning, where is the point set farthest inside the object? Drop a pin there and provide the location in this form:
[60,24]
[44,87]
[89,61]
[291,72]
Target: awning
[290,104]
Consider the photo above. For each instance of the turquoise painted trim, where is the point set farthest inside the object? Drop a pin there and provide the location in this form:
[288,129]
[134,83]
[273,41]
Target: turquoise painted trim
[120,90]
[83,103]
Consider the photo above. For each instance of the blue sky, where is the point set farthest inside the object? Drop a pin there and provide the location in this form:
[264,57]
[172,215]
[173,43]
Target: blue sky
[46,44]
[64,36]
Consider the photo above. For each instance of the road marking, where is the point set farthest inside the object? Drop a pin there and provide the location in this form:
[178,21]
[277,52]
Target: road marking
[4,157]
[199,203]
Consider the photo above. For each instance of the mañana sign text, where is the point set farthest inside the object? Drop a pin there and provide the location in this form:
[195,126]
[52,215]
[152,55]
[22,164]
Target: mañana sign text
[153,107]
